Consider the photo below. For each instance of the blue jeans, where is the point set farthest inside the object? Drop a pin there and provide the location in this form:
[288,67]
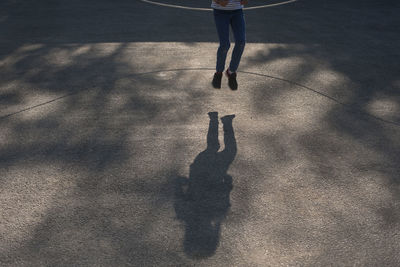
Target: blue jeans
[235,19]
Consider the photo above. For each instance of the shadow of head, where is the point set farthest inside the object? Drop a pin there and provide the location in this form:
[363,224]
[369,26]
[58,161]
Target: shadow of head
[202,208]
[202,238]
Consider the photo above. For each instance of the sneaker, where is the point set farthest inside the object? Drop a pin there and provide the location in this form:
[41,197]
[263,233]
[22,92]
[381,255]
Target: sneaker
[216,82]
[232,80]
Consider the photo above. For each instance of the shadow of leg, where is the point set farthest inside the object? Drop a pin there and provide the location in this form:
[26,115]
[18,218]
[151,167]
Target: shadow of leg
[212,135]
[229,153]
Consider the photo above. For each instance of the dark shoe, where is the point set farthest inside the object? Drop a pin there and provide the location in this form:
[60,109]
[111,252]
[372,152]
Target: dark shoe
[227,118]
[216,82]
[232,80]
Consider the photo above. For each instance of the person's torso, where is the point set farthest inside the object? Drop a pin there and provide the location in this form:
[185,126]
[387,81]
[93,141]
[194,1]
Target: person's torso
[232,5]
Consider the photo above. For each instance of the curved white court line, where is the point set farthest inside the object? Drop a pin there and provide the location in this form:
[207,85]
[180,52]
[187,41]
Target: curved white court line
[344,105]
[210,9]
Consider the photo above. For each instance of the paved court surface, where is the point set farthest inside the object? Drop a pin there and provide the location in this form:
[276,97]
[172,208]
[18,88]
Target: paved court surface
[104,115]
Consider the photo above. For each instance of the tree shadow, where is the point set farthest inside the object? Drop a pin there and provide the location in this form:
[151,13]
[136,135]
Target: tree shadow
[202,201]
[96,133]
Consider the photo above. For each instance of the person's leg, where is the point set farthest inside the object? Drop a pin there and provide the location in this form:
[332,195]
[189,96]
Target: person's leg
[239,31]
[222,21]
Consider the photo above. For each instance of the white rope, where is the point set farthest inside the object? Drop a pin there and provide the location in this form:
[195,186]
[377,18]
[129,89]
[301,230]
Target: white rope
[210,9]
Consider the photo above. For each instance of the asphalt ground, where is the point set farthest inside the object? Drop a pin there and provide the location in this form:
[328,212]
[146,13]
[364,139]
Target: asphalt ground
[104,123]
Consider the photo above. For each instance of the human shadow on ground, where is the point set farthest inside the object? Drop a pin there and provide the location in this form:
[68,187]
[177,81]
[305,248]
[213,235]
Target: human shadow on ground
[202,201]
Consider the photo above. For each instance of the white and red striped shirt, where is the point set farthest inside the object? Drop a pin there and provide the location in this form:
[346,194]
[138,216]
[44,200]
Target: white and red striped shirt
[232,5]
